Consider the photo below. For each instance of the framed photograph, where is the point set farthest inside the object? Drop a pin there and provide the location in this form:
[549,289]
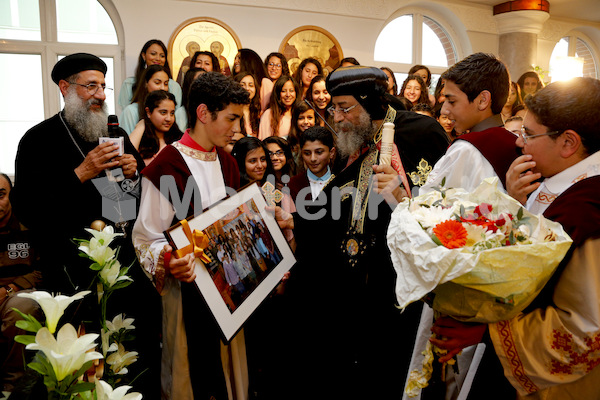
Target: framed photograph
[248,256]
[202,34]
[311,41]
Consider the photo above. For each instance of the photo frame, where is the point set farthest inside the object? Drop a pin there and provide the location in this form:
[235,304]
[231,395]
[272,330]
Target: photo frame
[311,41]
[202,34]
[242,240]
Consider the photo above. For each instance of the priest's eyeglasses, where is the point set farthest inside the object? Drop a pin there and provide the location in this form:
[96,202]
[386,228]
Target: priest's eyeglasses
[93,88]
[332,110]
[526,137]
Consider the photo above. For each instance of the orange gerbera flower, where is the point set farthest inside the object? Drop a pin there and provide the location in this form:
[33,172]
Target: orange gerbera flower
[451,234]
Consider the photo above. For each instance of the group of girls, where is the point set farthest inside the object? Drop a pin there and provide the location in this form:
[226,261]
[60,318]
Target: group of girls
[282,105]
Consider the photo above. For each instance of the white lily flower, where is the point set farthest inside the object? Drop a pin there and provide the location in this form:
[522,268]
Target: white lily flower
[110,274]
[98,252]
[119,323]
[53,306]
[105,392]
[105,337]
[120,359]
[105,236]
[67,353]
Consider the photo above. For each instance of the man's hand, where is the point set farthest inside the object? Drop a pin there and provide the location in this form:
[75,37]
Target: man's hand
[284,219]
[387,184]
[520,181]
[454,336]
[128,163]
[181,268]
[97,160]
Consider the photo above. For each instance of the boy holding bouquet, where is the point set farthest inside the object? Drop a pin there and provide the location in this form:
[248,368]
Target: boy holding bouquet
[476,89]
[552,349]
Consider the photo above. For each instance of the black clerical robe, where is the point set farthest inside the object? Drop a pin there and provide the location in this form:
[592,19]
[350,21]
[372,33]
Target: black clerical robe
[50,200]
[350,339]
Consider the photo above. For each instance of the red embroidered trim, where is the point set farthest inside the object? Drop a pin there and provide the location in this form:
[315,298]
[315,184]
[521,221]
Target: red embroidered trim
[510,351]
[546,198]
[582,362]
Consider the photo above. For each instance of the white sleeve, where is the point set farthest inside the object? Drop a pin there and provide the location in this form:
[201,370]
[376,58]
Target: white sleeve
[154,217]
[463,166]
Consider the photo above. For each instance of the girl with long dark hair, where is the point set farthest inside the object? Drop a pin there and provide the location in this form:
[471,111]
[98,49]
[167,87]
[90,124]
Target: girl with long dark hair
[158,128]
[154,52]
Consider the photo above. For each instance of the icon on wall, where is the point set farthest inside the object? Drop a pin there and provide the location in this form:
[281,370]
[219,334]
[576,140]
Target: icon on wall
[311,41]
[202,34]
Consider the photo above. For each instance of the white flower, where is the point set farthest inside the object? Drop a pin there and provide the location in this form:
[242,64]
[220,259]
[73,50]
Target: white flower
[105,392]
[110,274]
[525,230]
[105,337]
[120,359]
[67,353]
[477,234]
[119,323]
[53,306]
[429,217]
[105,236]
[97,251]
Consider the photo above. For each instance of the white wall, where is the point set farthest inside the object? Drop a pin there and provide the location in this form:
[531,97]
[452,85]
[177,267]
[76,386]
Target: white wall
[262,24]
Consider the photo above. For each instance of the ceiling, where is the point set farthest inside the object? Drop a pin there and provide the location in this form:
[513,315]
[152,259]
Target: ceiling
[588,10]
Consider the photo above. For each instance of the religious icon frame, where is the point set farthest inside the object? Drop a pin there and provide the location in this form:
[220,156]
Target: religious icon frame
[320,43]
[233,212]
[203,31]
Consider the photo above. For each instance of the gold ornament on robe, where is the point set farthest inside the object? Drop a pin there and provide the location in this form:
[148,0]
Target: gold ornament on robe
[419,177]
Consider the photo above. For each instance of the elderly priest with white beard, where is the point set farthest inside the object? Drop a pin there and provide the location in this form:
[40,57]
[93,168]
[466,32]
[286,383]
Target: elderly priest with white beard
[59,189]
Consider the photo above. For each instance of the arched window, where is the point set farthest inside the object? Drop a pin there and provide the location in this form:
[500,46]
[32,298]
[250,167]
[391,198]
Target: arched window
[575,46]
[412,39]
[34,35]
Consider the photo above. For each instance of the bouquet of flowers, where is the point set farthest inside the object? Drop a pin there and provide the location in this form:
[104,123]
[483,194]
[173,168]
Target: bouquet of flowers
[477,257]
[480,255]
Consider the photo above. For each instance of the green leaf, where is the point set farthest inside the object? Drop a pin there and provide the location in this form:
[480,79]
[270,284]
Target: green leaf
[81,387]
[511,238]
[520,213]
[83,368]
[87,395]
[38,367]
[41,358]
[436,240]
[24,339]
[29,323]
[120,285]
[443,181]
[96,267]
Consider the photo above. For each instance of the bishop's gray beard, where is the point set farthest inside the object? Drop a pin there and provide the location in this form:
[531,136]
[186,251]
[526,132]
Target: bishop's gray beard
[88,123]
[350,141]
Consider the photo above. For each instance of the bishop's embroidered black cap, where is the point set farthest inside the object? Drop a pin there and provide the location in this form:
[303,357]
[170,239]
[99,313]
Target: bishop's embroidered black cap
[366,84]
[75,63]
